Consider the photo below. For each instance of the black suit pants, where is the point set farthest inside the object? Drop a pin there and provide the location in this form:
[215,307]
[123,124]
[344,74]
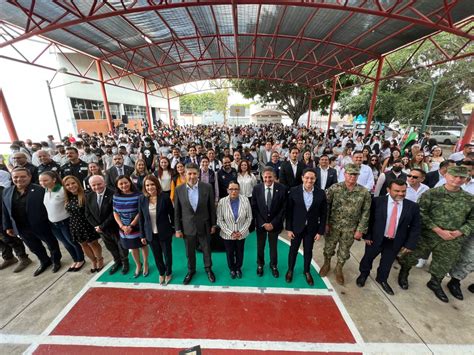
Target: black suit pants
[386,261]
[33,241]
[161,249]
[308,242]
[8,245]
[235,253]
[190,241]
[272,242]
[113,245]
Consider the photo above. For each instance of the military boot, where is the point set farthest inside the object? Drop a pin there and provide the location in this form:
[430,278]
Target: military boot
[339,274]
[454,286]
[325,268]
[435,286]
[403,278]
[6,263]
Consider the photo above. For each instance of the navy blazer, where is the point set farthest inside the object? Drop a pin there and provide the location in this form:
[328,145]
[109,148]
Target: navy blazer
[277,209]
[331,180]
[286,174]
[35,210]
[408,228]
[164,217]
[297,217]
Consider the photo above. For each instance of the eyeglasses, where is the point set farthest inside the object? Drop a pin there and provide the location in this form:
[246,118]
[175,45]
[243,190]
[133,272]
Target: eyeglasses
[413,176]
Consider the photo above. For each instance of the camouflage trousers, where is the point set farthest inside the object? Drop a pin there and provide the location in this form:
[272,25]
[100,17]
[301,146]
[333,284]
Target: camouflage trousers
[465,263]
[345,240]
[445,254]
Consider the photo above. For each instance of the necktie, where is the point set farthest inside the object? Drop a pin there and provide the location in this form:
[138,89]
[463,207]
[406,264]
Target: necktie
[392,225]
[99,201]
[269,198]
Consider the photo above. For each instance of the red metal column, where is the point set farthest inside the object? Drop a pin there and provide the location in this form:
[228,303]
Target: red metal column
[110,124]
[148,115]
[374,96]
[468,133]
[333,97]
[309,110]
[7,118]
[169,107]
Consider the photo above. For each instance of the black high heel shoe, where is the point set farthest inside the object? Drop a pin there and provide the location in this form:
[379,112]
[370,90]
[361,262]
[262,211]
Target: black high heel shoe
[145,273]
[137,273]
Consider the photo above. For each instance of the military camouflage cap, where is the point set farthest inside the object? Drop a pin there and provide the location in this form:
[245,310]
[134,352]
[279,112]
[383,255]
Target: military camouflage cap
[352,169]
[458,171]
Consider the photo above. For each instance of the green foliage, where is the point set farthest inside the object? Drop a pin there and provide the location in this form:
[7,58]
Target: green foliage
[198,103]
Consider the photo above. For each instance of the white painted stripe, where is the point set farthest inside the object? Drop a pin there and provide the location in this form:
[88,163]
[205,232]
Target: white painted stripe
[367,348]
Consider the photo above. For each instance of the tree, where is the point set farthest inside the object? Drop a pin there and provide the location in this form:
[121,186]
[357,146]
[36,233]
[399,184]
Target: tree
[197,103]
[221,98]
[293,99]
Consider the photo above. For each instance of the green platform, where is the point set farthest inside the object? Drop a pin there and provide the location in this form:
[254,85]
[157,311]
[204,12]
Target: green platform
[219,261]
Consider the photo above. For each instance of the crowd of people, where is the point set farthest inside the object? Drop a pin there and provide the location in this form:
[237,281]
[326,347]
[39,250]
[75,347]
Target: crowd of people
[213,185]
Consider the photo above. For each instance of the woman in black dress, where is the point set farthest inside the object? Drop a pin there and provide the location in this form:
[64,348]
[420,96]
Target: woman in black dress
[82,232]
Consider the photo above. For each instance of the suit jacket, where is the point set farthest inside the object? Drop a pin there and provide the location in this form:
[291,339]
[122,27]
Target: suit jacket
[262,159]
[190,222]
[35,210]
[408,228]
[331,180]
[188,160]
[286,174]
[277,208]
[432,179]
[112,175]
[226,220]
[164,217]
[297,217]
[104,218]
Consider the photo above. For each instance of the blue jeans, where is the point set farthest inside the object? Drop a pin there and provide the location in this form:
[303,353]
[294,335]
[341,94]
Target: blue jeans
[61,232]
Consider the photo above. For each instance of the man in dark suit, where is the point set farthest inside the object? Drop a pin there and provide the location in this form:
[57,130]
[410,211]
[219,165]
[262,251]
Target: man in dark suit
[433,177]
[192,156]
[268,209]
[99,213]
[24,214]
[394,226]
[195,220]
[325,175]
[291,170]
[117,170]
[305,221]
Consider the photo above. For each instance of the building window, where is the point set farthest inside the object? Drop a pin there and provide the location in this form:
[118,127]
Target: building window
[135,111]
[84,109]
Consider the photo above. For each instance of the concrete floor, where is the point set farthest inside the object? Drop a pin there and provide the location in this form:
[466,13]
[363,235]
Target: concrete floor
[30,304]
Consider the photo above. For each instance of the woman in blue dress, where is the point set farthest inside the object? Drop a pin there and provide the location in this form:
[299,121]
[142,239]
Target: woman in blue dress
[125,202]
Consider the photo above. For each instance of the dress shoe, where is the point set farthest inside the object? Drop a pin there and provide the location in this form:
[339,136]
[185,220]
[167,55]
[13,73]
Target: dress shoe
[233,274]
[238,273]
[325,268]
[211,277]
[386,287]
[403,278]
[435,286]
[361,280]
[125,269]
[289,276]
[454,286]
[8,262]
[56,267]
[260,271]
[42,268]
[339,274]
[188,278]
[309,278]
[24,262]
[115,267]
[275,272]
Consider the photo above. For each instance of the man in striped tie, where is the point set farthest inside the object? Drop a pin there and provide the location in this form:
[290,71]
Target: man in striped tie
[394,226]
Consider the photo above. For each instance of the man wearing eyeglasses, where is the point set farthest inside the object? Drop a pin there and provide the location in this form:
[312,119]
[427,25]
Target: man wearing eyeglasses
[415,187]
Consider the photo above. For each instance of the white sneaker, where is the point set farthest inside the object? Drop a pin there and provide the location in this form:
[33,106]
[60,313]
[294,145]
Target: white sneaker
[421,263]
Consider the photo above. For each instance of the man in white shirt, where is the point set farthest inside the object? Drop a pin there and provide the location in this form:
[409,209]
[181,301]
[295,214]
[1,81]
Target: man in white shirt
[366,177]
[466,149]
[415,187]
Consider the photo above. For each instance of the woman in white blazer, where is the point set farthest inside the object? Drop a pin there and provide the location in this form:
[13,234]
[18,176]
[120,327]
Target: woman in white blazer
[234,215]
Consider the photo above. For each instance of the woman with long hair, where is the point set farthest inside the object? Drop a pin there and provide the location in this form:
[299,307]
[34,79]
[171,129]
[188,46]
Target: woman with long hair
[93,168]
[307,160]
[164,173]
[179,178]
[125,205]
[82,231]
[388,162]
[366,151]
[436,157]
[139,173]
[374,164]
[59,218]
[346,156]
[385,151]
[157,225]
[417,162]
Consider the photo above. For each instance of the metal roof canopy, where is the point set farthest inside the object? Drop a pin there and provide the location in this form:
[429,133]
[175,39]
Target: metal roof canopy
[175,42]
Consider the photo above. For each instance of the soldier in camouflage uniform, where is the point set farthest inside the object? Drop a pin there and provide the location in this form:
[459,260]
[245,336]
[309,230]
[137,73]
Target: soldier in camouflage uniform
[447,216]
[348,219]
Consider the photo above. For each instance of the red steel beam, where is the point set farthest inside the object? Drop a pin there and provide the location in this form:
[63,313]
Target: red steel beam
[374,96]
[110,123]
[147,106]
[333,98]
[169,107]
[7,118]
[308,123]
[469,132]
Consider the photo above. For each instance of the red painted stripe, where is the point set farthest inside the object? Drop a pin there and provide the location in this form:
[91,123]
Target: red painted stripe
[87,350]
[205,315]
